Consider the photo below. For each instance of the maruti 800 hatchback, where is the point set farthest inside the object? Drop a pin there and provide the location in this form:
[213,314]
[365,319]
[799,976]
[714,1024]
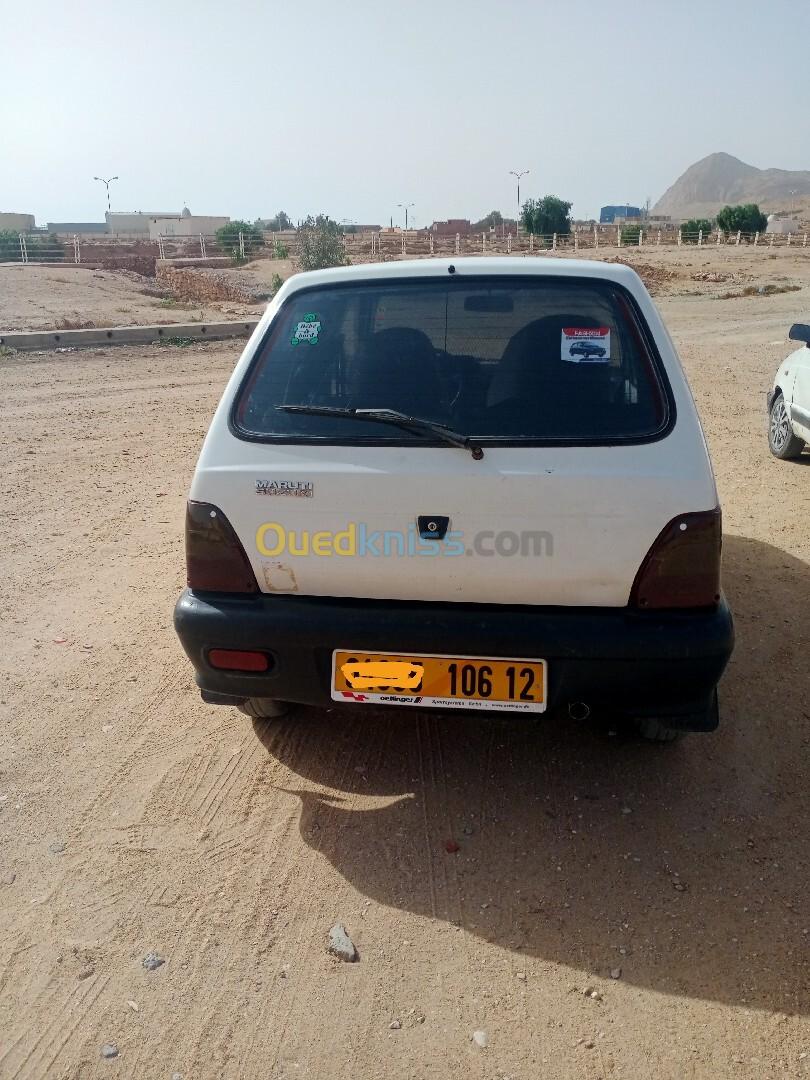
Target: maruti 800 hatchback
[411,494]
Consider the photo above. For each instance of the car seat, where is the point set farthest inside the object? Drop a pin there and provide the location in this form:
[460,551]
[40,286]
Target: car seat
[535,391]
[396,369]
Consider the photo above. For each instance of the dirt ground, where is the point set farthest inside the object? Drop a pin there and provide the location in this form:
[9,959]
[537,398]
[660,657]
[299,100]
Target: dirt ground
[63,297]
[71,297]
[134,818]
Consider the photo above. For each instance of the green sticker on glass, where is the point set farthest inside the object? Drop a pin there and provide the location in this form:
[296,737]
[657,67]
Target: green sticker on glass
[307,330]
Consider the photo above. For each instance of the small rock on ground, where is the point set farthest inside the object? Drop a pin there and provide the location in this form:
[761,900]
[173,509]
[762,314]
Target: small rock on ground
[395,1025]
[109,1050]
[341,945]
[152,961]
[616,973]
[56,847]
[8,879]
[480,1038]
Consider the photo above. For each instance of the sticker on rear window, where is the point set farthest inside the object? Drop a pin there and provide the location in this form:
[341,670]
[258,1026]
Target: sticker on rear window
[307,330]
[585,344]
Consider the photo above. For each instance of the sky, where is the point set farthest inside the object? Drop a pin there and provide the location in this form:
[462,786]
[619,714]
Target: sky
[351,108]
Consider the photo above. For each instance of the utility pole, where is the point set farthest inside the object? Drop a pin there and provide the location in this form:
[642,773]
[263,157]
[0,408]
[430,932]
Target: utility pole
[406,207]
[512,172]
[107,183]
[792,203]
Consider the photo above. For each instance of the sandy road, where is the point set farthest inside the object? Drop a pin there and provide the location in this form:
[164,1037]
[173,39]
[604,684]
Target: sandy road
[135,818]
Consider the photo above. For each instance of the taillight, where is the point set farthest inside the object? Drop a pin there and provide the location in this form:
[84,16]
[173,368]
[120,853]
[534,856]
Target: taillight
[682,568]
[239,660]
[215,560]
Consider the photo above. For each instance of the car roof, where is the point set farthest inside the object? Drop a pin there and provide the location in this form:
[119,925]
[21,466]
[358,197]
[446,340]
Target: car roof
[499,266]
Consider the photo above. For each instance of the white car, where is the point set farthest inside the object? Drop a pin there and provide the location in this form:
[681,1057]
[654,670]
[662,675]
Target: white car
[412,494]
[789,399]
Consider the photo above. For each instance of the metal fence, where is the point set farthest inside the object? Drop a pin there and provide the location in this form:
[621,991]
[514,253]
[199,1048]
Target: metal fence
[382,245]
[30,248]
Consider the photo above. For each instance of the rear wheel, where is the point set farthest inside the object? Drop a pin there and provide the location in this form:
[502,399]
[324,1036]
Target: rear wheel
[781,438]
[655,730]
[264,708]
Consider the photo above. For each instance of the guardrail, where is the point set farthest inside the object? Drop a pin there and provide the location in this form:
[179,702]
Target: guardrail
[31,248]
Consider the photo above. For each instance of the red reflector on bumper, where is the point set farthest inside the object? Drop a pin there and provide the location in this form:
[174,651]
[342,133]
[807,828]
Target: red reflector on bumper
[238,660]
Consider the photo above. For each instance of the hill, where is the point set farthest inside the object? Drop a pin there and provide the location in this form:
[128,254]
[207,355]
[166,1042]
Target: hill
[711,183]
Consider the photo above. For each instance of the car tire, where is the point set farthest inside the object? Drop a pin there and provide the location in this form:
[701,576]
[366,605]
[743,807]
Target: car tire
[655,730]
[782,440]
[265,708]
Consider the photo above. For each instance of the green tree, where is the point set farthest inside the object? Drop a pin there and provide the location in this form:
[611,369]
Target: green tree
[228,239]
[493,220]
[279,223]
[546,215]
[320,244]
[40,248]
[45,248]
[10,246]
[690,230]
[323,222]
[527,215]
[745,218]
[630,234]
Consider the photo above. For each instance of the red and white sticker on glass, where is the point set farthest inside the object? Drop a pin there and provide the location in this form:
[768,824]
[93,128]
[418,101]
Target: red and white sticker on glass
[585,345]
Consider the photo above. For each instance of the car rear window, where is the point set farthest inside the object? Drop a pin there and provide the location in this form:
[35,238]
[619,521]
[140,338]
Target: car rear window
[503,360]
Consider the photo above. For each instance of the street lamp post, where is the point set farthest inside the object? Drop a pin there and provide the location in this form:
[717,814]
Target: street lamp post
[518,175]
[107,183]
[406,207]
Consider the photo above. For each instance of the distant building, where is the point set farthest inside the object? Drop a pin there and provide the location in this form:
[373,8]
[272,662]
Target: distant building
[782,225]
[19,223]
[137,223]
[185,224]
[609,214]
[462,226]
[78,228]
[148,225]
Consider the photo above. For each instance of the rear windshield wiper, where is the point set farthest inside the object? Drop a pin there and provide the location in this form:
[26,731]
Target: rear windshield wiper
[398,419]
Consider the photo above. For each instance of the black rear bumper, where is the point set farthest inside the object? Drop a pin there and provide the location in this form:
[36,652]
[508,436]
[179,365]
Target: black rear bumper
[663,664]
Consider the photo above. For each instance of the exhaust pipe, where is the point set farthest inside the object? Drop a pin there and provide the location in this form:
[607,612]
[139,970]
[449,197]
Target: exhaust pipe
[578,710]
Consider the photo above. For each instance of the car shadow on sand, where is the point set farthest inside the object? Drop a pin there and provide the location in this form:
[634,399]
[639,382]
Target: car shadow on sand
[684,865]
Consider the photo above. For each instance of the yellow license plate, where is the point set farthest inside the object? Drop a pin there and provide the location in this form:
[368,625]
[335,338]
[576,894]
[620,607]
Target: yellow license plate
[425,680]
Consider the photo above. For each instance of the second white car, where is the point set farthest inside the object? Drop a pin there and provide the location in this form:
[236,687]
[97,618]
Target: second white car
[789,399]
